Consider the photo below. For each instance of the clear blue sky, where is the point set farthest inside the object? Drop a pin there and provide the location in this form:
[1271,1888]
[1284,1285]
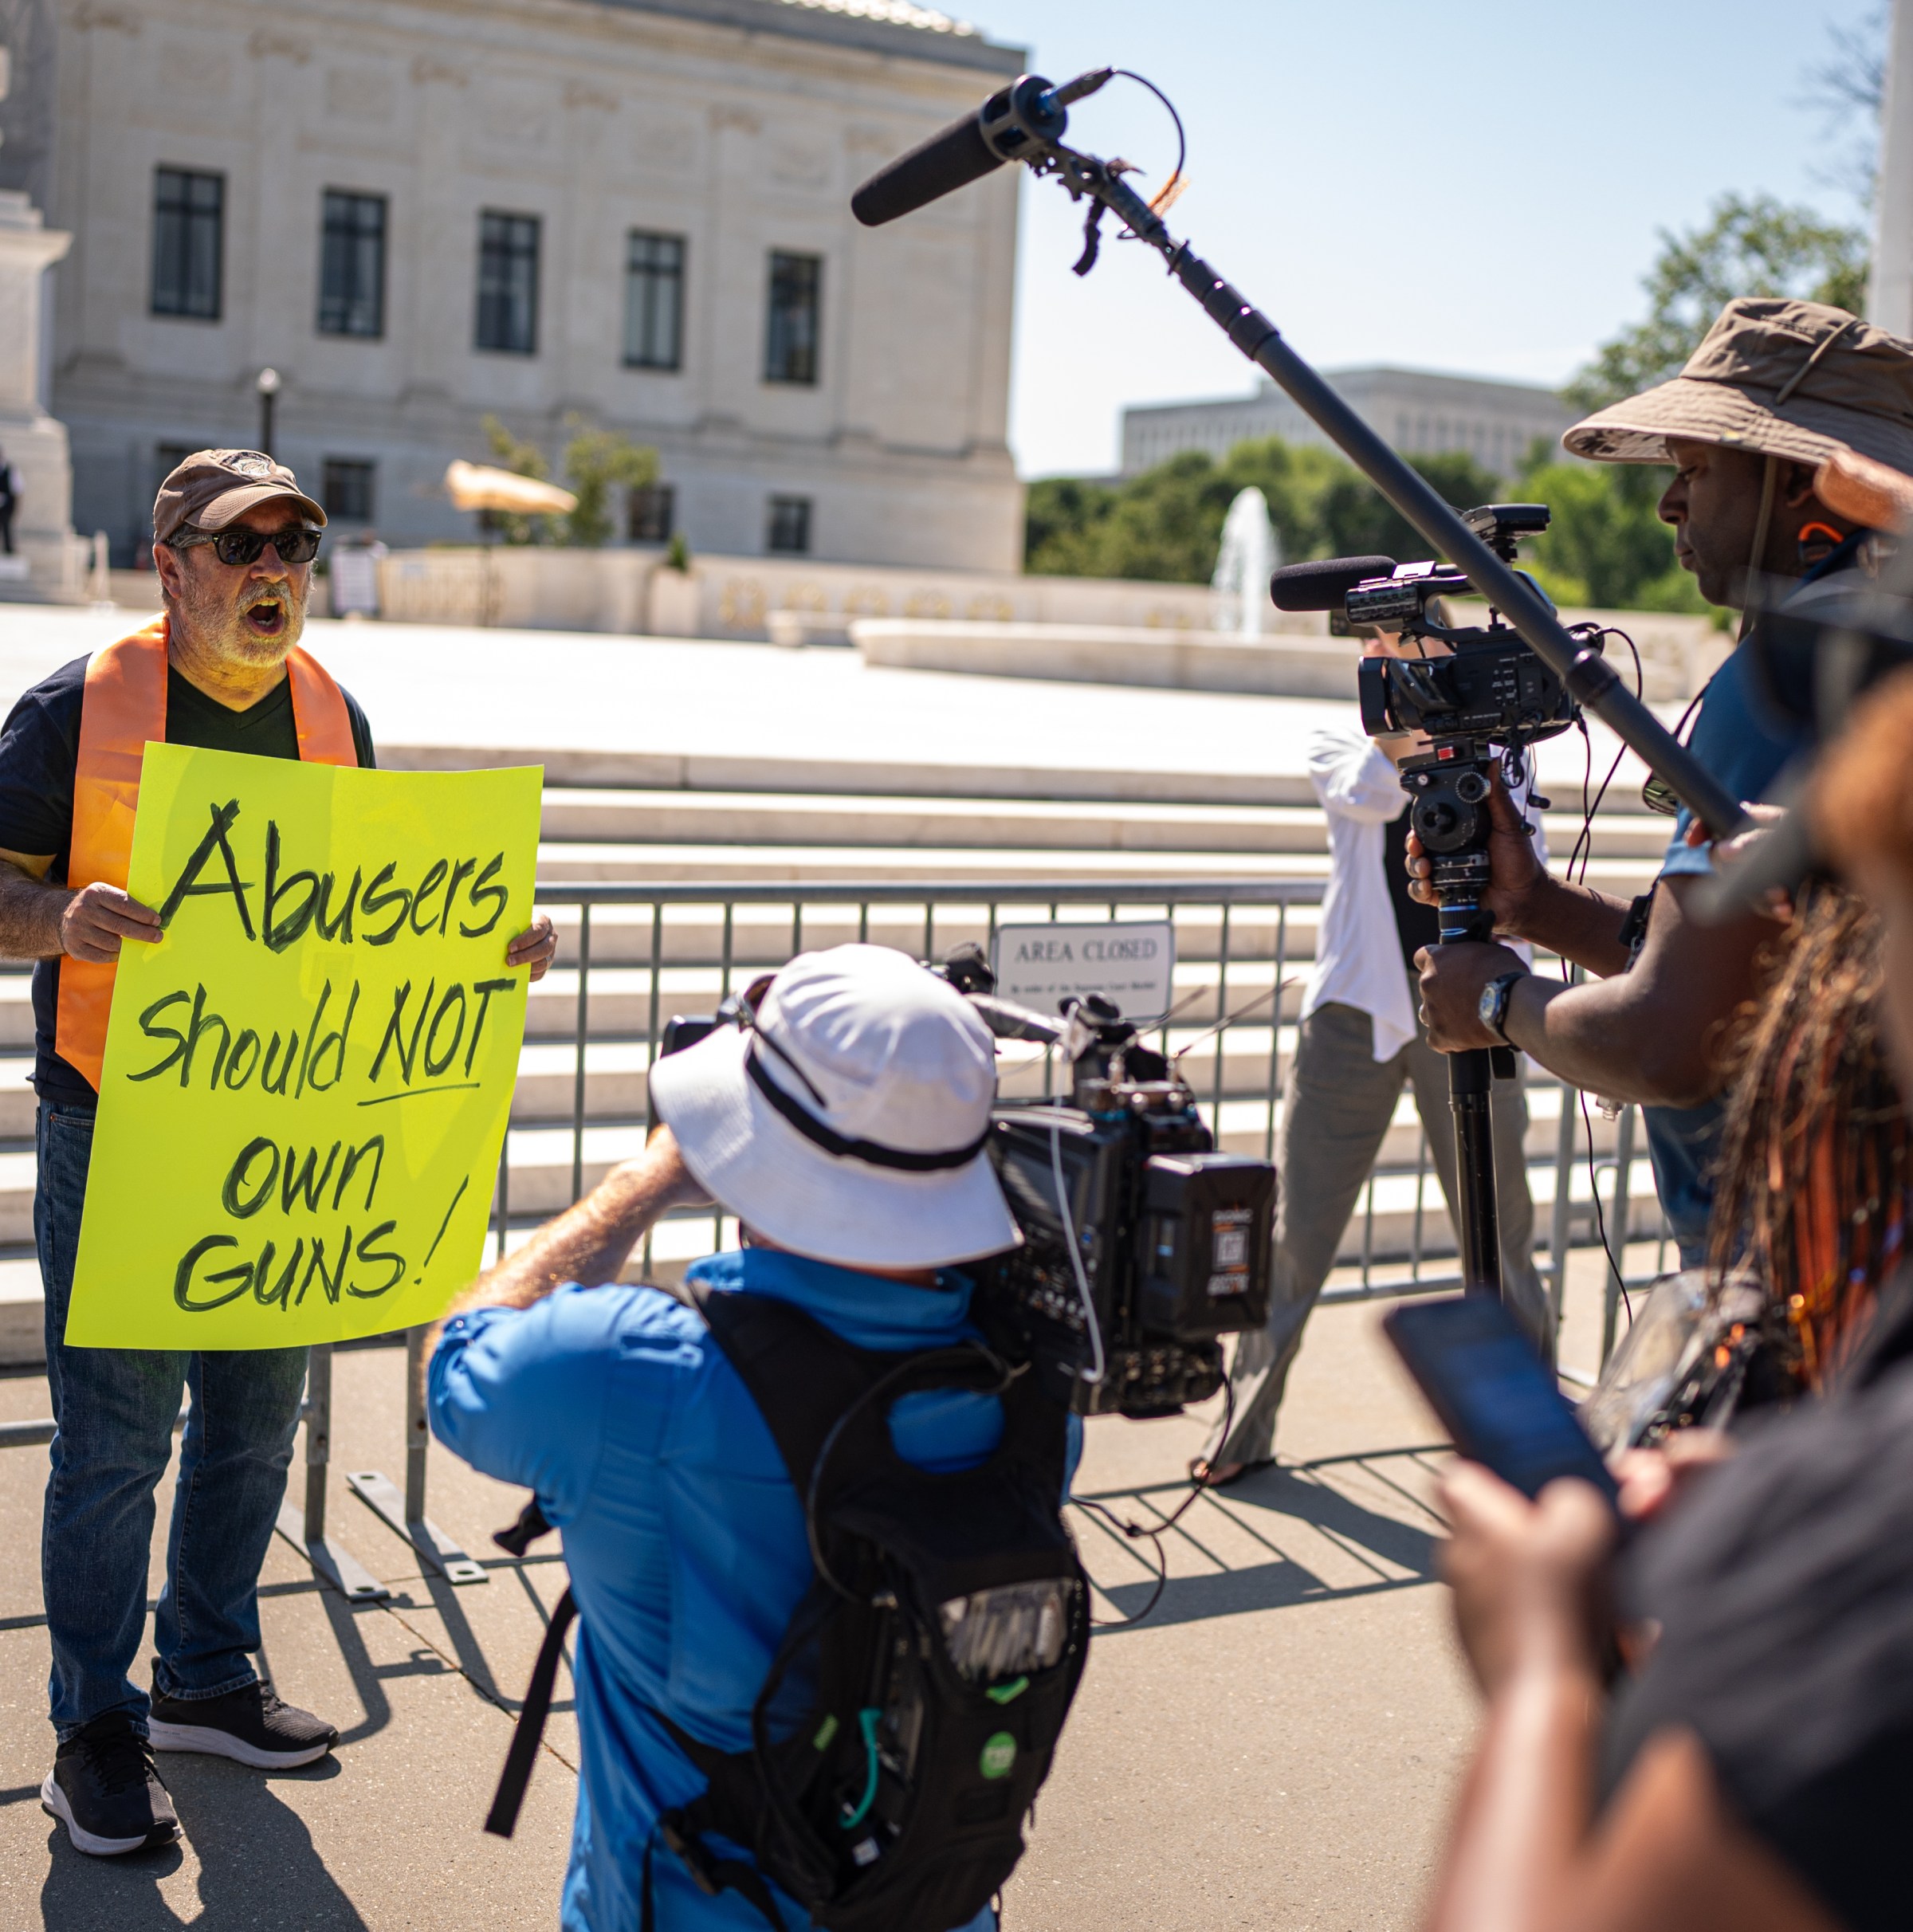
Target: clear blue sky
[1475,188]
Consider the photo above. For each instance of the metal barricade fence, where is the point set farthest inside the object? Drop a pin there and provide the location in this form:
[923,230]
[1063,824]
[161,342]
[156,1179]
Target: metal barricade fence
[1242,955]
[632,955]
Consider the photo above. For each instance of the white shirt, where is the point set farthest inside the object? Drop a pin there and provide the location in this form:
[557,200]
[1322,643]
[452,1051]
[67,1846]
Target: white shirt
[1358,959]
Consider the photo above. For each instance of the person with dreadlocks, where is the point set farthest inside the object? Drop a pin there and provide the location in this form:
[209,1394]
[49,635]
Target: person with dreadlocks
[1811,1202]
[1756,1773]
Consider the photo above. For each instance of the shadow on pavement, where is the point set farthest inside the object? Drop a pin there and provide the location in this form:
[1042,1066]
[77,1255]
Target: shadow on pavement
[240,1830]
[367,1676]
[1398,1555]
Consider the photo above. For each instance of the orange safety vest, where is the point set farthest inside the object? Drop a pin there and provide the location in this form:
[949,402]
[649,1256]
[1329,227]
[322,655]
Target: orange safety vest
[124,708]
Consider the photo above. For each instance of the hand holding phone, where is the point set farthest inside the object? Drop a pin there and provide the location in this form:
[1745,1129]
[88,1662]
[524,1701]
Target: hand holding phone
[1500,1403]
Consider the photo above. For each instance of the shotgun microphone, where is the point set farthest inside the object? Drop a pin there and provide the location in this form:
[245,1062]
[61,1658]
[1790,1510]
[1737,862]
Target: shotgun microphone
[1021,119]
[1322,585]
[944,162]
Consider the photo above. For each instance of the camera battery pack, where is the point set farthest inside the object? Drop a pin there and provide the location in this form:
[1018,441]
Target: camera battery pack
[1208,1226]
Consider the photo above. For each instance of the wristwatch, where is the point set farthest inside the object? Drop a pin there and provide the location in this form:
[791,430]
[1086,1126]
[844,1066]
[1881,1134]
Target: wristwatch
[1493,1010]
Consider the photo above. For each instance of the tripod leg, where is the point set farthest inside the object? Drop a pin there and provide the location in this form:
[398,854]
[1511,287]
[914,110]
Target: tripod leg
[1471,1085]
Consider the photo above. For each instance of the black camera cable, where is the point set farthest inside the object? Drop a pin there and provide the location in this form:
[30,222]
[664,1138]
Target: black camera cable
[1135,1532]
[1138,1533]
[1583,853]
[1165,196]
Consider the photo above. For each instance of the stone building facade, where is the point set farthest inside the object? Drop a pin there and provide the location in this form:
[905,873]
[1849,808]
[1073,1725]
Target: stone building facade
[630,212]
[1413,411]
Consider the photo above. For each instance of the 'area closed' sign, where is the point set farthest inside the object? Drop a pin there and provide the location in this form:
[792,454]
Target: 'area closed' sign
[1040,966]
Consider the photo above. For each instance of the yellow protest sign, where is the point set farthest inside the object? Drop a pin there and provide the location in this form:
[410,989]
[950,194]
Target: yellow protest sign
[307,1079]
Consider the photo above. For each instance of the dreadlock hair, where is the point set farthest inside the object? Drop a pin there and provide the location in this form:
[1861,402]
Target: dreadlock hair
[1813,1196]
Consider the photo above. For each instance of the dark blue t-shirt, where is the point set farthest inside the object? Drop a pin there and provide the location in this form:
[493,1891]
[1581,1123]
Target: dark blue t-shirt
[1737,739]
[39,756]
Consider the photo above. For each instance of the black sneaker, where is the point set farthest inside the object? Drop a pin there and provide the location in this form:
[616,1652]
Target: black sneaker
[254,1726]
[102,1788]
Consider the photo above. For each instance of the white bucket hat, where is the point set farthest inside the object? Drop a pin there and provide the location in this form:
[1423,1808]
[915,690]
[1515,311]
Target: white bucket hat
[849,1123]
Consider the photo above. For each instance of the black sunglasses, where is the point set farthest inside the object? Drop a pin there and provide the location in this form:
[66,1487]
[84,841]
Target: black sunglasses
[295,544]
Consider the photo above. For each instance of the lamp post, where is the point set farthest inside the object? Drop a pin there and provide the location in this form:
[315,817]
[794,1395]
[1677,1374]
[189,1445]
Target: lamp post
[268,386]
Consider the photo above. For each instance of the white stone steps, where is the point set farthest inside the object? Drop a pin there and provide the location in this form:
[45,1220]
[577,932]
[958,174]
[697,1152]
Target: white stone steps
[746,818]
[606,816]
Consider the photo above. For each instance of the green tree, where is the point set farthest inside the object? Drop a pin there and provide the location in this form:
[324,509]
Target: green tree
[522,459]
[1606,547]
[1062,518]
[1355,520]
[596,462]
[1748,247]
[1166,524]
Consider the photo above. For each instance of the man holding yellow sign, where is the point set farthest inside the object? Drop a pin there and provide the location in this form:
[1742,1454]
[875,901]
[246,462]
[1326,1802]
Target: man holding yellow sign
[298,1074]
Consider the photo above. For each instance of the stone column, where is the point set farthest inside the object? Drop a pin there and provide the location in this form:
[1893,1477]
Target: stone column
[46,559]
[1890,286]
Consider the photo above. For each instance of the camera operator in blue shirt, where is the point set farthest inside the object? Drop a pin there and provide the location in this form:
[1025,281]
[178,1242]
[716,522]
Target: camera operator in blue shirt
[1776,388]
[845,1127]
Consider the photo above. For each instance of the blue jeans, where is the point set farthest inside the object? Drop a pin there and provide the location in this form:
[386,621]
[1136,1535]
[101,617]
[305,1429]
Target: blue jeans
[114,1409]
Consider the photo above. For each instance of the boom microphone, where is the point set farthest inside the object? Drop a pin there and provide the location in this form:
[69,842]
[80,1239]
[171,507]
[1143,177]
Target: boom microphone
[944,162]
[1022,119]
[1322,585]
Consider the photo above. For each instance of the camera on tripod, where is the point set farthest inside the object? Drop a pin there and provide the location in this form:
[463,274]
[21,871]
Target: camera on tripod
[1486,701]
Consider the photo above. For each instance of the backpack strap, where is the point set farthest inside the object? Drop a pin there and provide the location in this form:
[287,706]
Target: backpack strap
[813,1387]
[682,1830]
[503,1817]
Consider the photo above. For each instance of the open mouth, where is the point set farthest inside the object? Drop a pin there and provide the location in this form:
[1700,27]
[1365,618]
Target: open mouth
[266,619]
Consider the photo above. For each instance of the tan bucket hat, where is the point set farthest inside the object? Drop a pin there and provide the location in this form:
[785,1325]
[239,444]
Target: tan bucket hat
[1799,380]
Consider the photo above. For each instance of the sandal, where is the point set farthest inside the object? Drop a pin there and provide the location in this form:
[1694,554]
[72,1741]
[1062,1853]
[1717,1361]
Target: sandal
[1201,1472]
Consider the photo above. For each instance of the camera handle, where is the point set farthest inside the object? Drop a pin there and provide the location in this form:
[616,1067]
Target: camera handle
[1026,123]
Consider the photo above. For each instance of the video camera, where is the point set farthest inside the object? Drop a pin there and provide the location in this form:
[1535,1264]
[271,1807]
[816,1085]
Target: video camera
[1142,1245]
[1490,700]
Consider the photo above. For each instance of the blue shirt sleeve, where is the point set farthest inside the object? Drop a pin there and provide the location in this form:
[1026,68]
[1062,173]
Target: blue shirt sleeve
[521,1393]
[1739,742]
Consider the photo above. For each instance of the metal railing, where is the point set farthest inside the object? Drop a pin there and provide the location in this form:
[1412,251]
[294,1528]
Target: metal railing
[1236,1004]
[632,955]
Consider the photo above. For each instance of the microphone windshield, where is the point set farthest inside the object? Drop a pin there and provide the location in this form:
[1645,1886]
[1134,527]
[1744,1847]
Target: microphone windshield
[1321,586]
[944,162]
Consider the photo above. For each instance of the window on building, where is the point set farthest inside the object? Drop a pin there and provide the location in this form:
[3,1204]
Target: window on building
[352,263]
[346,488]
[508,283]
[790,345]
[651,513]
[188,214]
[653,300]
[789,532]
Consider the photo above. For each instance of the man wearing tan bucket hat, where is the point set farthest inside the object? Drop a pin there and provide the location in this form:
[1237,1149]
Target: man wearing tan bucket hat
[1778,394]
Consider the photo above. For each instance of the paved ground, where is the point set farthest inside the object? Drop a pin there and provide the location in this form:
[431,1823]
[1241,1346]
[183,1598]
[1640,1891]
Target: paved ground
[1275,1746]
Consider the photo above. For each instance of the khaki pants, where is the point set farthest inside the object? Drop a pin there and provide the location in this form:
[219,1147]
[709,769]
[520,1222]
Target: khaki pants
[1340,1102]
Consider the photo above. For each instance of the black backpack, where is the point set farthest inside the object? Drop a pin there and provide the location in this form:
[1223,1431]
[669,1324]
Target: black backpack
[911,1712]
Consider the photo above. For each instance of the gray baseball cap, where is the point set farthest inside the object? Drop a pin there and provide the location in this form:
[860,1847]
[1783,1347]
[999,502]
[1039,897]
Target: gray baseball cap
[213,486]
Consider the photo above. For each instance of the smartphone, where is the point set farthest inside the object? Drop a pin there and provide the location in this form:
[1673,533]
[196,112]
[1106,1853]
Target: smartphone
[1500,1402]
